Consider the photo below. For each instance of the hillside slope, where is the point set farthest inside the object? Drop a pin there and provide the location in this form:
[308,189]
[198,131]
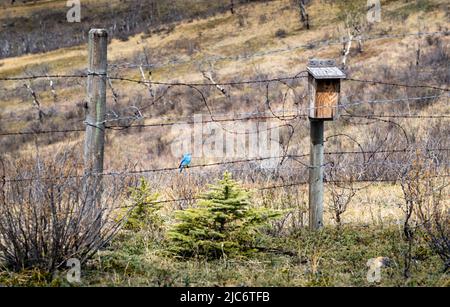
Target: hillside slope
[262,40]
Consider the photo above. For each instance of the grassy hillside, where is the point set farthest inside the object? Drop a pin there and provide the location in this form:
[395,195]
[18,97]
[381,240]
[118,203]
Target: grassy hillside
[41,26]
[195,44]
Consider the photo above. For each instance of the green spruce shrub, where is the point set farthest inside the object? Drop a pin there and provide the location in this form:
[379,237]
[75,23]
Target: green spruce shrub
[145,213]
[224,223]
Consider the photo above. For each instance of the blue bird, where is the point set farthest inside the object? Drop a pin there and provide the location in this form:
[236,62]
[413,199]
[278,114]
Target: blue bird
[185,162]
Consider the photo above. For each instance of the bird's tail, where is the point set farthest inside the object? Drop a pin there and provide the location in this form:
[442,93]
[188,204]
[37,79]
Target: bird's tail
[181,169]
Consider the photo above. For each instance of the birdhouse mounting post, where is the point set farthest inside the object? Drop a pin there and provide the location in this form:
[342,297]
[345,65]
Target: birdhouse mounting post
[324,87]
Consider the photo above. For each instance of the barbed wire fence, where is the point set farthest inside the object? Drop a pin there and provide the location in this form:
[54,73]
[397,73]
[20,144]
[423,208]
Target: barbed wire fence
[289,117]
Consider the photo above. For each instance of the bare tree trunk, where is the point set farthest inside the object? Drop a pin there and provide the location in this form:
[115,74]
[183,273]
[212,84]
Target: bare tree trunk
[360,44]
[304,16]
[346,49]
[208,76]
[338,220]
[409,236]
[418,55]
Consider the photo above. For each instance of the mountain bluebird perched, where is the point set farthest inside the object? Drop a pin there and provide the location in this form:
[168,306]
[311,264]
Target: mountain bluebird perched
[185,162]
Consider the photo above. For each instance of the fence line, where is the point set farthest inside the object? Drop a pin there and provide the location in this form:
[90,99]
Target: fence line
[97,122]
[395,100]
[294,115]
[215,120]
[40,132]
[182,123]
[275,187]
[398,84]
[241,161]
[35,77]
[198,84]
[138,81]
[401,116]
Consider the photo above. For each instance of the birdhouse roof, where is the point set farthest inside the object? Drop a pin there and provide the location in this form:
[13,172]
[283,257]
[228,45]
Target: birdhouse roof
[325,69]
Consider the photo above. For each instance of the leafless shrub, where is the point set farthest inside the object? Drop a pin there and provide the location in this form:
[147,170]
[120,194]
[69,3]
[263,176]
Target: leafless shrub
[281,33]
[263,19]
[292,201]
[188,45]
[341,185]
[49,213]
[242,20]
[185,189]
[426,207]
[303,12]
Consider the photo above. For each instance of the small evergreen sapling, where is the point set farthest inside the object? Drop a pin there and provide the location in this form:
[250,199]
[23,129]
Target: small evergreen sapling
[145,214]
[223,223]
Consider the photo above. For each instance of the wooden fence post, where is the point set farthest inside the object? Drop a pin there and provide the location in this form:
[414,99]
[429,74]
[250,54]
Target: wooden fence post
[324,94]
[316,175]
[96,101]
[95,123]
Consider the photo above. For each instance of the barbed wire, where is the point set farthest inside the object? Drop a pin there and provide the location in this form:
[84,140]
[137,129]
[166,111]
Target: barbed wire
[34,77]
[263,115]
[228,120]
[400,116]
[139,81]
[235,83]
[40,132]
[240,161]
[399,84]
[292,116]
[298,76]
[394,100]
[274,187]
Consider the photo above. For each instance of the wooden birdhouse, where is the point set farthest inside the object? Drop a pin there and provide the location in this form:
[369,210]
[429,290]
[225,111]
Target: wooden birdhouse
[324,89]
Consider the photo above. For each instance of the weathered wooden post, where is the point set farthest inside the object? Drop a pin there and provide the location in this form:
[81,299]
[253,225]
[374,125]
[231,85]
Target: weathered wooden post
[95,123]
[324,86]
[96,101]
